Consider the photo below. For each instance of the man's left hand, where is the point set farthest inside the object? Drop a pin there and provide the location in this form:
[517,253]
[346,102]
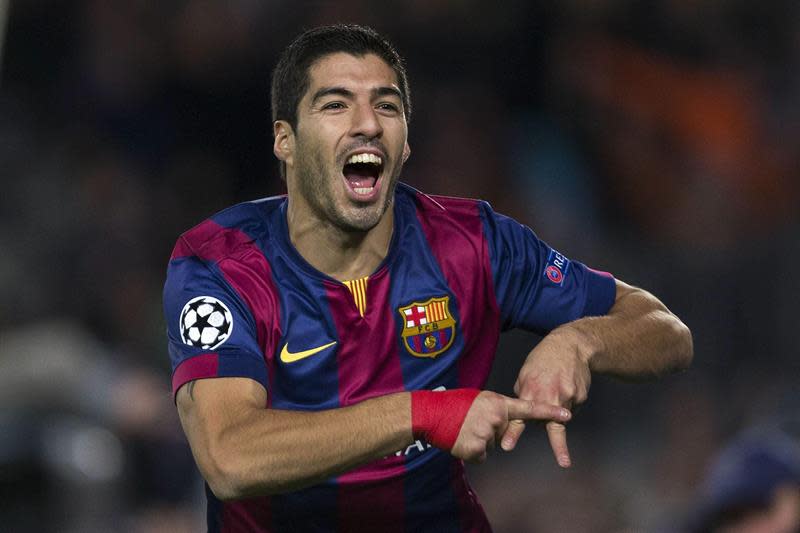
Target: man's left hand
[556,372]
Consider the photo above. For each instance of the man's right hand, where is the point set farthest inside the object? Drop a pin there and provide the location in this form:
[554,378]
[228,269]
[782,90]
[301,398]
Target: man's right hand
[488,418]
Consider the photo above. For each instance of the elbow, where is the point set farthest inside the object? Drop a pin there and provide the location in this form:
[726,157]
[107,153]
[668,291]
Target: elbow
[683,353]
[224,478]
[227,475]
[231,478]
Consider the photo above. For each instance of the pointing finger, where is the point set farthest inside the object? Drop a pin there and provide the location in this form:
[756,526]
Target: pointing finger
[526,410]
[557,434]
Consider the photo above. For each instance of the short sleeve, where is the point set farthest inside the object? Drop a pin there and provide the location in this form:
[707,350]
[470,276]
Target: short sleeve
[211,331]
[536,287]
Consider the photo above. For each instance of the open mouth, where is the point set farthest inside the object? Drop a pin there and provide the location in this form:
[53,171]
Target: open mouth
[361,172]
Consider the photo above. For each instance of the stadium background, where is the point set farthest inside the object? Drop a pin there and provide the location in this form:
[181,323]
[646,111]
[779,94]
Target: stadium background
[657,140]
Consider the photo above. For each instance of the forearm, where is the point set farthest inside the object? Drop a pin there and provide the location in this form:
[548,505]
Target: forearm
[304,448]
[639,338]
[245,450]
[259,451]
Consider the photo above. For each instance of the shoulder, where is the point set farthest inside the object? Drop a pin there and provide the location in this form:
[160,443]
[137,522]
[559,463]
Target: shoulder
[231,232]
[443,207]
[453,227]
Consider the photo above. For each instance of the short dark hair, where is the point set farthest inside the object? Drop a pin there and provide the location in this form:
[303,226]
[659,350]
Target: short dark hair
[290,78]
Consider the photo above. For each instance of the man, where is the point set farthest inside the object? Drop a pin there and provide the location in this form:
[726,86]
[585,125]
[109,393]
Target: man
[349,326]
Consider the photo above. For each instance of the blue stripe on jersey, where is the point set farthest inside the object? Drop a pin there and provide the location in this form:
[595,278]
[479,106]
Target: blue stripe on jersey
[309,510]
[417,277]
[306,323]
[431,505]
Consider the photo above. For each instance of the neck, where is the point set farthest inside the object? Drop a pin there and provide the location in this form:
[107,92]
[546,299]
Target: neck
[342,255]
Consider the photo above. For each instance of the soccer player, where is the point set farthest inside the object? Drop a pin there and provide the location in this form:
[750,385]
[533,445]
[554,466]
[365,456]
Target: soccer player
[329,346]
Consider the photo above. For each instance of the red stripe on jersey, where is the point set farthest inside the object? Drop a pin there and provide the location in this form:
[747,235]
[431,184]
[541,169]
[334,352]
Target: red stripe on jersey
[198,367]
[471,513]
[245,268]
[463,255]
[369,366]
[368,359]
[247,516]
[374,506]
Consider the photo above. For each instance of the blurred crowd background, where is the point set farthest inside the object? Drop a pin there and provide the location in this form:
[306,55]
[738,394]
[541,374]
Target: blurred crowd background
[658,140]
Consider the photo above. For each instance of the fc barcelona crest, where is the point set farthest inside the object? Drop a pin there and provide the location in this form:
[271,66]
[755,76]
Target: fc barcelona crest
[428,327]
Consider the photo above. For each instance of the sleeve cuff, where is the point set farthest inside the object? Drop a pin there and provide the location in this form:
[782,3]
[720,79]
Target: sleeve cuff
[602,292]
[210,365]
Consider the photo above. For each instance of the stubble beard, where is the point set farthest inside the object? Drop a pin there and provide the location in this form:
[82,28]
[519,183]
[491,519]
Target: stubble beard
[317,185]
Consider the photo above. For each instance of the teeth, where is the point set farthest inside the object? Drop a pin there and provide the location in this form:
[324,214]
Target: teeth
[365,158]
[363,190]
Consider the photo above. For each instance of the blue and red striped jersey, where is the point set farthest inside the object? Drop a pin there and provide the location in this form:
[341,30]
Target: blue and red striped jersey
[240,301]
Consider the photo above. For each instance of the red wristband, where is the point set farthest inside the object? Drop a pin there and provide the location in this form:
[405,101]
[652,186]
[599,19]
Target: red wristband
[437,416]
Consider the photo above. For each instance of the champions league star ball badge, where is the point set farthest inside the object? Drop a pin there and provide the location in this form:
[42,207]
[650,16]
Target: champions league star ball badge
[205,322]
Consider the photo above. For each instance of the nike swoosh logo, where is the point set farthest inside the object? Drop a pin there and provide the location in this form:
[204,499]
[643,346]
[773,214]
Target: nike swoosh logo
[289,357]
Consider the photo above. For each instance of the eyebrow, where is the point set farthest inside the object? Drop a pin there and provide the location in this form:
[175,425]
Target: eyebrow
[325,91]
[347,93]
[387,91]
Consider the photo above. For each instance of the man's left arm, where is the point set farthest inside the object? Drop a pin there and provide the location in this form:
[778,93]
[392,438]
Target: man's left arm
[639,338]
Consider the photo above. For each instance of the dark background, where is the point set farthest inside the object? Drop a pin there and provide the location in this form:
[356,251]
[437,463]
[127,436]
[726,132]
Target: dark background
[657,140]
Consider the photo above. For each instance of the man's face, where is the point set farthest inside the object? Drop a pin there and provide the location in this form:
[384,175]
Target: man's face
[350,141]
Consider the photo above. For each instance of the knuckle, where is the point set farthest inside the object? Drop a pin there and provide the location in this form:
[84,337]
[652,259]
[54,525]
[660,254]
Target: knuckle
[569,389]
[489,395]
[489,401]
[477,449]
[485,433]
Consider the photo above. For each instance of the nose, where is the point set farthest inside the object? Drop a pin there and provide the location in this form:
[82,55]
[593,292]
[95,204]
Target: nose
[366,122]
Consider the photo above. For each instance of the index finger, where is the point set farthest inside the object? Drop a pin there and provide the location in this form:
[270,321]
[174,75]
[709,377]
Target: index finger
[557,434]
[526,410]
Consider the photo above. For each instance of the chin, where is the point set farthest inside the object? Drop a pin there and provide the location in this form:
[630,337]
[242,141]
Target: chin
[362,221]
[359,225]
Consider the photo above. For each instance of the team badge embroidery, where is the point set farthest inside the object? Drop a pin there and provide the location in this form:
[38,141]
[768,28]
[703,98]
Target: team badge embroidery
[428,327]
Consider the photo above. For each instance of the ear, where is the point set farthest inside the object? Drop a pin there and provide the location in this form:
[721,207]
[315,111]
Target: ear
[283,146]
[406,152]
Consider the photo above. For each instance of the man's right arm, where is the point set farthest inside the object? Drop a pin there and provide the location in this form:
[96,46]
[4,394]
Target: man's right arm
[244,449]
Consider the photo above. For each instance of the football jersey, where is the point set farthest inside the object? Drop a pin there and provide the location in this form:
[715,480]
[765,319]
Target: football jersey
[240,301]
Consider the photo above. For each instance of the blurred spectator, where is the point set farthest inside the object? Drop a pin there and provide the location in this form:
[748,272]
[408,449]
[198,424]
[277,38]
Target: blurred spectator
[753,486]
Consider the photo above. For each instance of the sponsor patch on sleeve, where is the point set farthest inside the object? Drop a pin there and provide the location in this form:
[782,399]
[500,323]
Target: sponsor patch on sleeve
[205,322]
[557,268]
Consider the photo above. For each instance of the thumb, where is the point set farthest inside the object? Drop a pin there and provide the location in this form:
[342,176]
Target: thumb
[527,410]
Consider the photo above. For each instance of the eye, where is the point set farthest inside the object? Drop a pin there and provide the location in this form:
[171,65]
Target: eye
[388,106]
[333,105]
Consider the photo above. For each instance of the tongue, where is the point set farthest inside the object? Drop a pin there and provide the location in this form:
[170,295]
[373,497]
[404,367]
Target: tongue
[358,178]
